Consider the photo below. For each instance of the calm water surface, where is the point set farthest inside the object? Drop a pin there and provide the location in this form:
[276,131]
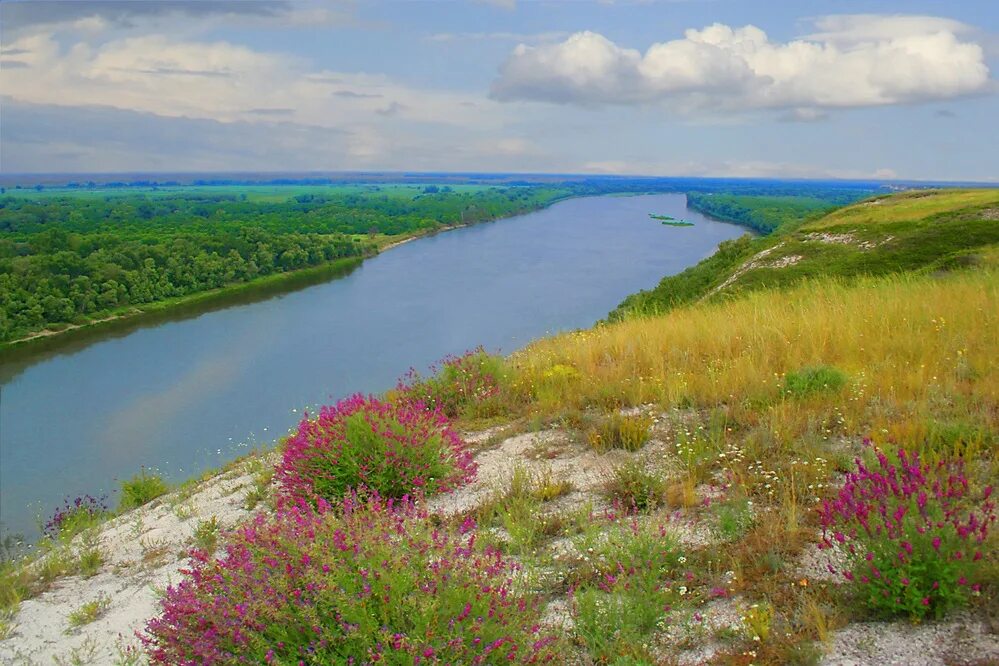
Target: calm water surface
[184,395]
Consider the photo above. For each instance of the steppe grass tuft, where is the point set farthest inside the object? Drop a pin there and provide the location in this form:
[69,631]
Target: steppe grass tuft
[620,431]
[206,535]
[808,381]
[89,612]
[141,489]
[634,486]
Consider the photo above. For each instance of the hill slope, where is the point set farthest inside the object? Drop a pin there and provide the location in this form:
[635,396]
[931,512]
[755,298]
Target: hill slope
[915,231]
[658,482]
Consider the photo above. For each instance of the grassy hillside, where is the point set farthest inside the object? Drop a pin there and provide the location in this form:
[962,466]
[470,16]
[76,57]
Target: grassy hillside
[913,231]
[741,480]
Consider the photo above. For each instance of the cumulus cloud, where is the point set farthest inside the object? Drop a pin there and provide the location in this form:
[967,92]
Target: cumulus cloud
[850,61]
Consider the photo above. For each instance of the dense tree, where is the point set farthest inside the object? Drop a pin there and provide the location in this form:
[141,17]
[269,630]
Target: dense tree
[71,258]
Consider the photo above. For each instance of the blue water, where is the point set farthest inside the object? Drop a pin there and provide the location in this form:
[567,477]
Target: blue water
[185,395]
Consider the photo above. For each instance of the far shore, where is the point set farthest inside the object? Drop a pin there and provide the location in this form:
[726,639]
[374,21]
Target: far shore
[275,283]
[264,286]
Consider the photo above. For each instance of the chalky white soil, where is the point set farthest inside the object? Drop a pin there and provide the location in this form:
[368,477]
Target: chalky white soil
[146,549]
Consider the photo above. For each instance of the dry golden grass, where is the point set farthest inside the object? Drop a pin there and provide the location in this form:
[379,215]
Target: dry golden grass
[907,207]
[912,348]
[919,357]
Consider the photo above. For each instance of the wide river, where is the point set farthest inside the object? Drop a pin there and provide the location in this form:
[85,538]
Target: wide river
[186,394]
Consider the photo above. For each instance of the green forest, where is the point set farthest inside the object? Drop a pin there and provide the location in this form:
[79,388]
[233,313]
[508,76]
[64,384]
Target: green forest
[75,254]
[764,213]
[70,258]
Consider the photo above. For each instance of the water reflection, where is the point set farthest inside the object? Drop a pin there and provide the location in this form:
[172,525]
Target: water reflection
[199,388]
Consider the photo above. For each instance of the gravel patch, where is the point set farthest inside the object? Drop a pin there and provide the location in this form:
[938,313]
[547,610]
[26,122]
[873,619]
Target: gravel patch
[962,639]
[815,563]
[537,452]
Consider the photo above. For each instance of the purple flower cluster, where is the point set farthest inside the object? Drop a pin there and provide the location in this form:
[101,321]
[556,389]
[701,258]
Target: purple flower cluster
[455,383]
[914,533]
[75,515]
[391,448]
[369,581]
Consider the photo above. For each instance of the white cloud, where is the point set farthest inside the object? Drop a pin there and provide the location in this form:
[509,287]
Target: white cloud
[221,81]
[852,61]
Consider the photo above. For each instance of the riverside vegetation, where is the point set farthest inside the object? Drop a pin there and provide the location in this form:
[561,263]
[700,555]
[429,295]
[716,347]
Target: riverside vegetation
[70,258]
[742,474]
[80,255]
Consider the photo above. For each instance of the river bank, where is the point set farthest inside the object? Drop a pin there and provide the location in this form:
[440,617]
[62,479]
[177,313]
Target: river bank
[262,287]
[248,292]
[147,549]
[181,391]
[190,305]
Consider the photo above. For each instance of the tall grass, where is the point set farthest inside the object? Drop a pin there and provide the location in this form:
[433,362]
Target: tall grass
[908,207]
[911,346]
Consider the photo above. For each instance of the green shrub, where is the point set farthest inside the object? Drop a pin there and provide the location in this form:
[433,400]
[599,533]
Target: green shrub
[916,534]
[817,379]
[734,518]
[206,535]
[391,448]
[458,385]
[635,487]
[141,489]
[377,581]
[617,431]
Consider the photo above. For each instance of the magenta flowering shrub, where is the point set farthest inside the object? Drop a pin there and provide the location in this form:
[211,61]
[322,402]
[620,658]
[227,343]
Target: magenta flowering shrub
[76,515]
[456,384]
[914,534]
[392,449]
[371,582]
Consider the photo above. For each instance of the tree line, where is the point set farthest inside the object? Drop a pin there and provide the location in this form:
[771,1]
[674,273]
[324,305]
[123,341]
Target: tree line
[73,258]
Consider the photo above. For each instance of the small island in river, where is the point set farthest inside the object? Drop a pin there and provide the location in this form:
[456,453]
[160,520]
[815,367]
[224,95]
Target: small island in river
[671,221]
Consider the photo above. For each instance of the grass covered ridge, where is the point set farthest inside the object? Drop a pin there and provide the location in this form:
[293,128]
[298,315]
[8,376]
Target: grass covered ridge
[921,230]
[916,350]
[723,481]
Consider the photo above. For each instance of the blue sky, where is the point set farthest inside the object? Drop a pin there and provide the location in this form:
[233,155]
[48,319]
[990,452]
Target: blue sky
[835,88]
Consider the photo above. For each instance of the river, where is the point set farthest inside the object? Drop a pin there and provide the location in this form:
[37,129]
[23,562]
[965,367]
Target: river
[182,395]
